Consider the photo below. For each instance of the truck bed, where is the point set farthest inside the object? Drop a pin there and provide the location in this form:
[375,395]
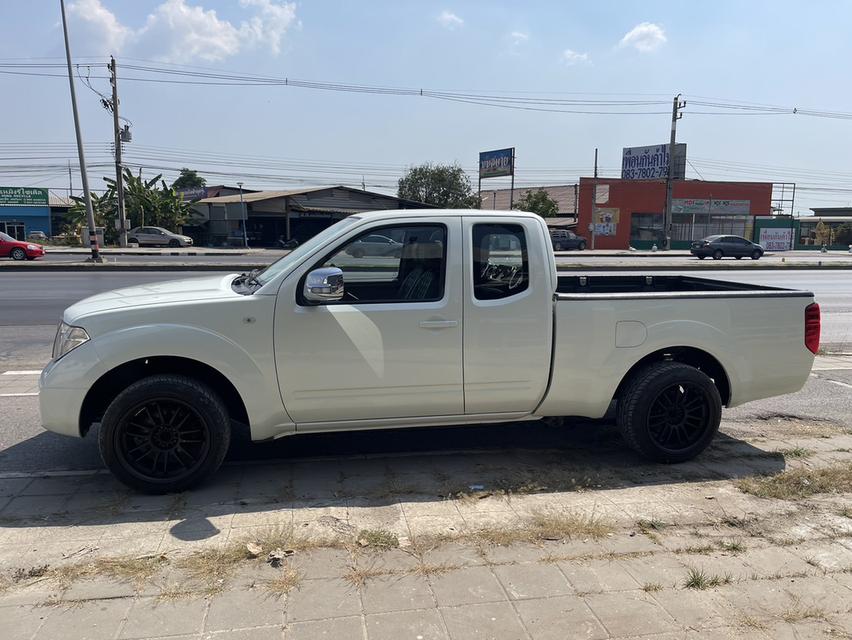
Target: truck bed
[630,286]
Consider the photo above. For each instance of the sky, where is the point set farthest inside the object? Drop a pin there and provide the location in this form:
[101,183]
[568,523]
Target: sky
[610,56]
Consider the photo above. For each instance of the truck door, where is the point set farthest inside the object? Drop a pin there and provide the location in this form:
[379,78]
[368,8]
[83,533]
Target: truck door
[508,314]
[392,348]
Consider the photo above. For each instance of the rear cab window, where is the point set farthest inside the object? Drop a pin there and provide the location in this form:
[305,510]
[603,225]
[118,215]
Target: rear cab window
[500,261]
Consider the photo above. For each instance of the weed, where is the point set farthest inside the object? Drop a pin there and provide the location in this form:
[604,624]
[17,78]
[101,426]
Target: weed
[378,539]
[357,576]
[846,512]
[796,452]
[20,574]
[732,546]
[800,483]
[698,549]
[424,569]
[699,579]
[653,524]
[799,612]
[650,587]
[753,623]
[287,580]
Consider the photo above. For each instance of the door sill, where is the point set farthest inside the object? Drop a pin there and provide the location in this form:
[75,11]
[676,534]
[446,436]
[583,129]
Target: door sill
[424,421]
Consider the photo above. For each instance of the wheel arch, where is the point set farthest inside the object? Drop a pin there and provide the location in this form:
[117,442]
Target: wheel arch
[111,383]
[698,358]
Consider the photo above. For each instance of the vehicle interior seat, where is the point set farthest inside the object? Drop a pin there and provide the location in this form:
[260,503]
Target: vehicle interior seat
[420,270]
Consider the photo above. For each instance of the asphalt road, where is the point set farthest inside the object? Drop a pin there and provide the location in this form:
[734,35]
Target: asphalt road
[31,304]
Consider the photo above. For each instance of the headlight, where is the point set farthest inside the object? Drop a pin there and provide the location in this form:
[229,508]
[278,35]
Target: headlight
[67,339]
[32,247]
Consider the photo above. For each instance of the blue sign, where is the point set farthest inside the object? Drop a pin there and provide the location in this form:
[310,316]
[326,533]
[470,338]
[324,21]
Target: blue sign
[493,164]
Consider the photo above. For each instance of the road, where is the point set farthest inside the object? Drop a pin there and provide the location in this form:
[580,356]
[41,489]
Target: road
[33,302]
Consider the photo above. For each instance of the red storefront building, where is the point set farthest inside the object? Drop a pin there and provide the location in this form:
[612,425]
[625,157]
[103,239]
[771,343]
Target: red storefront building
[630,212]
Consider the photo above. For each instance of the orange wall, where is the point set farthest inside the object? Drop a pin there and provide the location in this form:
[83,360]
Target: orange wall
[649,196]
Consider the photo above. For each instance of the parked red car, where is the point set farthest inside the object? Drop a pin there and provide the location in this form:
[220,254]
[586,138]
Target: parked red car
[17,250]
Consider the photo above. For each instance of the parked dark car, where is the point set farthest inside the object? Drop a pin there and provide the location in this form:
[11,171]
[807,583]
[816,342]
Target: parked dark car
[562,239]
[719,247]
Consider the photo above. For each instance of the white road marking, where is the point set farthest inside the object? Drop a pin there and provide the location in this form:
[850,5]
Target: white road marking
[840,384]
[17,395]
[26,372]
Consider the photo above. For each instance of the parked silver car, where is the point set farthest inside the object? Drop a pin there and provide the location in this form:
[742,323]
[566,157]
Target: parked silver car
[157,237]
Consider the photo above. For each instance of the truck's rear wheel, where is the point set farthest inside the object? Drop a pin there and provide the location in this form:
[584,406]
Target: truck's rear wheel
[669,412]
[164,433]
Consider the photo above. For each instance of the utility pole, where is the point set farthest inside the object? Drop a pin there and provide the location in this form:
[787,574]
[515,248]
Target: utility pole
[594,199]
[677,105]
[70,182]
[90,214]
[119,177]
[245,217]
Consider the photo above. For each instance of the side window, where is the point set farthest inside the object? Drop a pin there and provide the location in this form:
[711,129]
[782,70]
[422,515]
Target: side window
[401,263]
[500,264]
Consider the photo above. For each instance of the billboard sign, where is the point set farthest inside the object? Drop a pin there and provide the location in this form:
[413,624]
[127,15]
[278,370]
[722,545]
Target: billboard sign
[707,205]
[191,194]
[652,163]
[24,196]
[775,239]
[493,164]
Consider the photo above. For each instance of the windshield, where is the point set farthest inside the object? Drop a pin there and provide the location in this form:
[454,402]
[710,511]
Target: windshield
[5,237]
[281,265]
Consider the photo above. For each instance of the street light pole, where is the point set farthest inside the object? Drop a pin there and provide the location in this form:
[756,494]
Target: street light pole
[87,196]
[245,217]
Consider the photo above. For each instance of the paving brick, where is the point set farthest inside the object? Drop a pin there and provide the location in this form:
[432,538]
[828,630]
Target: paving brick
[51,486]
[389,560]
[559,618]
[630,613]
[423,624]
[93,620]
[453,554]
[322,563]
[595,576]
[774,561]
[346,628]
[244,607]
[21,622]
[696,609]
[529,580]
[468,585]
[491,621]
[274,632]
[396,593]
[35,506]
[322,598]
[664,570]
[149,618]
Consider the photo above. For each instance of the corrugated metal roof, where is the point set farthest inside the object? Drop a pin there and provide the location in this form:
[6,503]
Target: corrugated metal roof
[258,196]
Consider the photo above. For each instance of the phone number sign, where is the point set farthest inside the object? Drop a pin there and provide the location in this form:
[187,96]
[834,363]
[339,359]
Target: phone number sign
[652,163]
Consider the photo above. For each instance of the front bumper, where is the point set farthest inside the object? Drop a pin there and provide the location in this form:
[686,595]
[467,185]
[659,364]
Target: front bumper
[63,386]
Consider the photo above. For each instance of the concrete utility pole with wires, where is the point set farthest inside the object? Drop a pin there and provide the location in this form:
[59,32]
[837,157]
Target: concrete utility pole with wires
[677,105]
[87,196]
[243,211]
[119,177]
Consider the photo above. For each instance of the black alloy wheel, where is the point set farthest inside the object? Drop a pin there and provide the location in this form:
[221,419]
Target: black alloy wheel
[678,417]
[164,433]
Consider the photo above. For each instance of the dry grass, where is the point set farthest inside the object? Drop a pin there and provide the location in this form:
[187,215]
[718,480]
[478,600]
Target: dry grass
[282,584]
[800,483]
[732,546]
[799,612]
[379,539]
[846,512]
[650,587]
[425,569]
[358,576]
[546,525]
[696,549]
[213,567]
[135,570]
[699,579]
[752,623]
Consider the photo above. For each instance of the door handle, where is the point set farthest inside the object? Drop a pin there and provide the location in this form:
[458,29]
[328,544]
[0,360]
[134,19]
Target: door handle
[438,324]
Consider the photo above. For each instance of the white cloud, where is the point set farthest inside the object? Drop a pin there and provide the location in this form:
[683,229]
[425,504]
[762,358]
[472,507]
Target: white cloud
[99,24]
[644,37]
[176,31]
[571,58]
[449,20]
[519,37]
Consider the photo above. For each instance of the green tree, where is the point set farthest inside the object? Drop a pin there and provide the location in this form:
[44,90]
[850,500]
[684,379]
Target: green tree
[189,178]
[104,207]
[444,186]
[538,201]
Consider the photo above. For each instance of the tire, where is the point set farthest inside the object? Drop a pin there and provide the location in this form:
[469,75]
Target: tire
[700,257]
[558,247]
[174,243]
[139,419]
[717,254]
[18,254]
[581,246]
[756,255]
[681,430]
[134,241]
[739,257]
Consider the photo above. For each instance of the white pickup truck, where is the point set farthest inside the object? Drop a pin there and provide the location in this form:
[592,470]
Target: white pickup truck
[408,319]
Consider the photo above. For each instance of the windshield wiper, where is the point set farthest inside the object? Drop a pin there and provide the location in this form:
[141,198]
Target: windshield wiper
[249,279]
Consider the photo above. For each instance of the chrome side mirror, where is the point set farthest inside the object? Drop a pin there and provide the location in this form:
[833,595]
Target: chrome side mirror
[324,285]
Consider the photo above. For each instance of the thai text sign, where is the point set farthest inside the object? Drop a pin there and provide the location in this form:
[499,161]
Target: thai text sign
[493,164]
[711,205]
[775,239]
[26,196]
[652,163]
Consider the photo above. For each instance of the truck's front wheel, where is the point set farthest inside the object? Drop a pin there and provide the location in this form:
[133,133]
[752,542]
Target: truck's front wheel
[164,433]
[669,412]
